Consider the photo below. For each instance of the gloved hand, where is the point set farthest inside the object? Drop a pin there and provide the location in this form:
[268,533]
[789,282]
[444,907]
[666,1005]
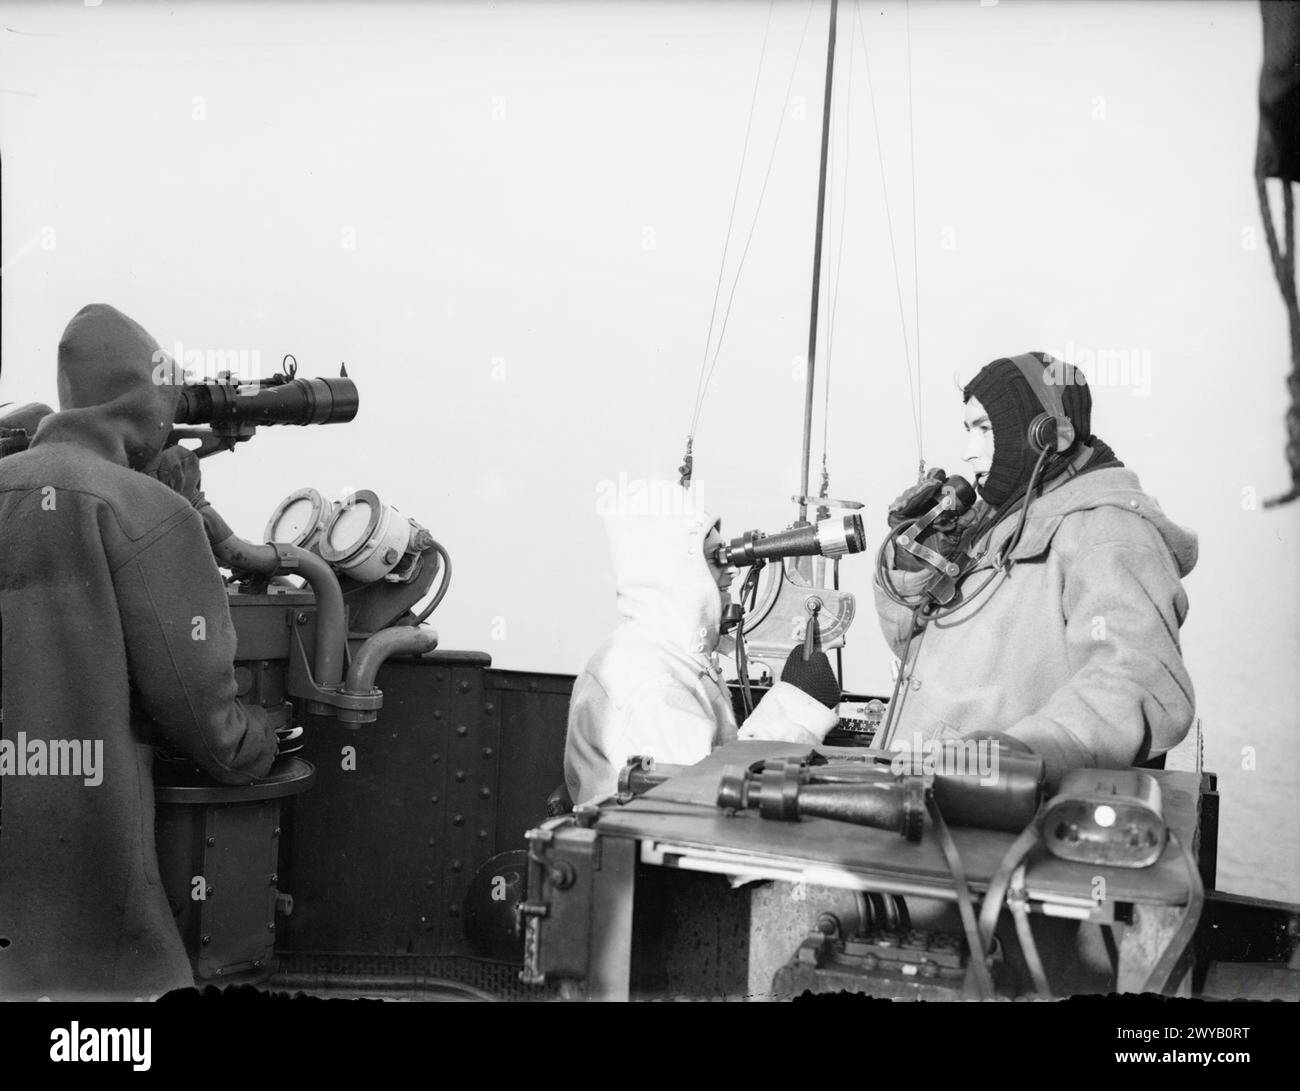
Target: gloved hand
[288,738]
[914,501]
[943,535]
[177,467]
[813,675]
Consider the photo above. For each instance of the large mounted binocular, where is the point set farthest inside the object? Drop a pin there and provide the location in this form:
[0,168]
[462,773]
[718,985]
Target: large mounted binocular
[232,409]
[830,538]
[277,400]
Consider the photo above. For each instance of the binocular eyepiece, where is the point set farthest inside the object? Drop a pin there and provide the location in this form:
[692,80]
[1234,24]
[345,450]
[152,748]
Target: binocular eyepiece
[830,538]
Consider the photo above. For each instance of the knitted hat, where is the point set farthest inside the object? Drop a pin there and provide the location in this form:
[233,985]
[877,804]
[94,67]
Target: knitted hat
[1014,390]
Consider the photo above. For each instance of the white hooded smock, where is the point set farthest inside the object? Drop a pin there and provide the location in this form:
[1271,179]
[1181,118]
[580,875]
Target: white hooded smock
[654,686]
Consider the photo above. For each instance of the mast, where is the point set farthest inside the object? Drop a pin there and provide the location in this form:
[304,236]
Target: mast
[817,269]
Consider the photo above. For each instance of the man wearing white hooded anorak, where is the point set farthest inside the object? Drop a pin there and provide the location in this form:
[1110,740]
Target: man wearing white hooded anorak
[654,686]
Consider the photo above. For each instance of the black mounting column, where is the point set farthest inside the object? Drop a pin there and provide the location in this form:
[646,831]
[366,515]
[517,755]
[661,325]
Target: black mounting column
[817,267]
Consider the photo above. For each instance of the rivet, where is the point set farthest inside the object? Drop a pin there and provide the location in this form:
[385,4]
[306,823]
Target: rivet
[428,884]
[302,619]
[432,842]
[437,714]
[460,776]
[489,707]
[458,820]
[462,730]
[275,832]
[463,687]
[437,758]
[433,799]
[487,751]
[212,840]
[485,792]
[453,911]
[482,835]
[270,926]
[456,865]
[206,940]
[274,879]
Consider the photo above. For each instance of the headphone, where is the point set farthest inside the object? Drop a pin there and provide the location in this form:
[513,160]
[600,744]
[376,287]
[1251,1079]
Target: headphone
[1052,430]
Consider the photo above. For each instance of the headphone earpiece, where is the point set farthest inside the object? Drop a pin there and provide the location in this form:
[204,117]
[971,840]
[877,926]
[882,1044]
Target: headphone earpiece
[1048,432]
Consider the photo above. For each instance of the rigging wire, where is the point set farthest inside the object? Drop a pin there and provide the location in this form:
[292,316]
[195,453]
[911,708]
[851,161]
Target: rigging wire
[726,315]
[1282,255]
[893,250]
[731,219]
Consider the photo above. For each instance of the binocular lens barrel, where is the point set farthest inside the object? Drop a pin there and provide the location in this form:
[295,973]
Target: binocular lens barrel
[299,401]
[836,537]
[829,538]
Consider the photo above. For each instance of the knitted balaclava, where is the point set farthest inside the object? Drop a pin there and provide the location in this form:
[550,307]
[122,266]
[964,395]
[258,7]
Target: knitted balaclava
[1013,392]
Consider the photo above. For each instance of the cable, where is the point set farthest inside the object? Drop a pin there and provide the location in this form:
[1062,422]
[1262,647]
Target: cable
[1025,934]
[991,907]
[442,587]
[839,652]
[726,315]
[886,733]
[1014,540]
[1169,969]
[1282,256]
[735,200]
[742,673]
[1012,865]
[893,250]
[978,961]
[748,590]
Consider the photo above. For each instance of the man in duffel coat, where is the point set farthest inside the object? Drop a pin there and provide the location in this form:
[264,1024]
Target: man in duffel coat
[115,635]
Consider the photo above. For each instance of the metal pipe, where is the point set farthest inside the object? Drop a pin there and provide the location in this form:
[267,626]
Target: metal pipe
[398,640]
[817,267]
[269,560]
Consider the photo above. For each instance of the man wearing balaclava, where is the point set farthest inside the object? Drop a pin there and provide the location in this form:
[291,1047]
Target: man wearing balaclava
[115,634]
[1062,638]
